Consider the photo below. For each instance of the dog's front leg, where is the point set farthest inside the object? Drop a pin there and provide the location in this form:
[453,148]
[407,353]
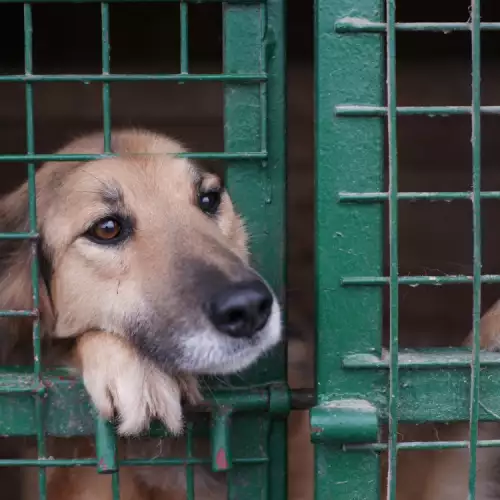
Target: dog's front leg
[124,384]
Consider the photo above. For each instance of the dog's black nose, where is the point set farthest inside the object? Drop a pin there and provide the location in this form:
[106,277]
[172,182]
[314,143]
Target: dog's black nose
[241,309]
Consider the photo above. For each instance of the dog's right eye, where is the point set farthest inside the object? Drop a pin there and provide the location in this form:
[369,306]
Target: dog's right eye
[106,231]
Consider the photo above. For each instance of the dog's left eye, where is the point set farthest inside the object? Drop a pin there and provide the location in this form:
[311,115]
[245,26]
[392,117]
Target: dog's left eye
[209,201]
[108,230]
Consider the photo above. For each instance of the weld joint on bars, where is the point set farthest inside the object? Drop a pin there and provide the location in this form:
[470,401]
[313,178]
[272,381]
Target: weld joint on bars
[256,155]
[353,110]
[374,197]
[362,25]
[457,279]
[105,77]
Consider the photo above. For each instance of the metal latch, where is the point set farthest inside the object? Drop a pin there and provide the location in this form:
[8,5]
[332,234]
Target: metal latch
[344,421]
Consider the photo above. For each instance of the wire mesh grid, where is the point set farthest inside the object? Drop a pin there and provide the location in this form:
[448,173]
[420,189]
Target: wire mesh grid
[355,68]
[253,444]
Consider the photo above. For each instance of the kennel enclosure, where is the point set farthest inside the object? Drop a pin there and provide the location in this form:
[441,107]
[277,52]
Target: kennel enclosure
[247,421]
[359,388]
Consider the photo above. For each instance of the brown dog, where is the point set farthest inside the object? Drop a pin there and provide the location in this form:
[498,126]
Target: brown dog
[145,264]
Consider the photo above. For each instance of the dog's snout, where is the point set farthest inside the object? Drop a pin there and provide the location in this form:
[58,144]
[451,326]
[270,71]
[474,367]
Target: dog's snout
[242,309]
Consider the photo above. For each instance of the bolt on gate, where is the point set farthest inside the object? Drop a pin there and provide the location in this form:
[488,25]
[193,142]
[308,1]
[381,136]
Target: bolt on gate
[247,423]
[359,388]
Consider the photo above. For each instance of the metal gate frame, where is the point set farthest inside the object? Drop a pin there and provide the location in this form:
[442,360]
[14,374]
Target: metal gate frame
[248,422]
[358,389]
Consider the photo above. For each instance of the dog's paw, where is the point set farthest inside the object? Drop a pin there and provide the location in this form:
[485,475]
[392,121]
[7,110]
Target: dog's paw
[124,385]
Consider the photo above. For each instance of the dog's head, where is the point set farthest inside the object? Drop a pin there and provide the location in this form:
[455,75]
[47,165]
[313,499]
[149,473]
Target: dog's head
[148,247]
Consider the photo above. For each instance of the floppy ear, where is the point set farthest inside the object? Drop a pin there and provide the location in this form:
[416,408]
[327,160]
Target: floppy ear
[16,290]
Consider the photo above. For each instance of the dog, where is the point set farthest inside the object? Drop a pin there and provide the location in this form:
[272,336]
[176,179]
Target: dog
[145,284]
[444,474]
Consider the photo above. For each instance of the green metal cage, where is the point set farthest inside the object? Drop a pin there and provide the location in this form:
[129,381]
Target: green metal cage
[248,421]
[359,388]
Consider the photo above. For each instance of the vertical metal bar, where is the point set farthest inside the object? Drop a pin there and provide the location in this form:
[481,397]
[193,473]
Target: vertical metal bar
[267,42]
[189,467]
[254,116]
[349,238]
[115,485]
[106,110]
[393,249]
[273,140]
[258,188]
[476,234]
[30,149]
[106,97]
[184,37]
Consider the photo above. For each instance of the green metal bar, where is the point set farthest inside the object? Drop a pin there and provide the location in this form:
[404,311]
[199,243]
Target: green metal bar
[233,2]
[92,462]
[19,314]
[416,196]
[247,78]
[390,6]
[425,445]
[419,280]
[115,485]
[349,157]
[267,46]
[220,440]
[19,236]
[195,461]
[250,481]
[30,149]
[184,37]
[257,187]
[273,140]
[358,25]
[254,117]
[362,110]
[235,156]
[105,447]
[422,359]
[476,234]
[189,468]
[106,98]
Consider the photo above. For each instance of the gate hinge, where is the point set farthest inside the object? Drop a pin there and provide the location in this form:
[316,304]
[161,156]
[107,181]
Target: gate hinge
[344,421]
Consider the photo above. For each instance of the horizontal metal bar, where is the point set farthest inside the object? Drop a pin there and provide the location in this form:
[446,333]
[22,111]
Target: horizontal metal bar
[92,462]
[237,2]
[418,280]
[19,313]
[361,25]
[415,196]
[63,388]
[423,359]
[176,77]
[424,445]
[186,461]
[19,236]
[367,111]
[258,155]
[447,371]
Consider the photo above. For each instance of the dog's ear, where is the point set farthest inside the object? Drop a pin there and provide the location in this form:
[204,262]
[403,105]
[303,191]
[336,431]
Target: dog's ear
[16,256]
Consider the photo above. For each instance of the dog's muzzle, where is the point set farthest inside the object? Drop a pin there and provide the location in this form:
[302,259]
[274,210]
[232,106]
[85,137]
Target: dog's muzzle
[240,310]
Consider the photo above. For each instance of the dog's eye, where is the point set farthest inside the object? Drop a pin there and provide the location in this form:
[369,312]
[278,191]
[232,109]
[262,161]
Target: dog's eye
[209,201]
[106,230]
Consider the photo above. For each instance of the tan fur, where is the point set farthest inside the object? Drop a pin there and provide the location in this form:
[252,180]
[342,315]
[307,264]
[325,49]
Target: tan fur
[96,295]
[444,474]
